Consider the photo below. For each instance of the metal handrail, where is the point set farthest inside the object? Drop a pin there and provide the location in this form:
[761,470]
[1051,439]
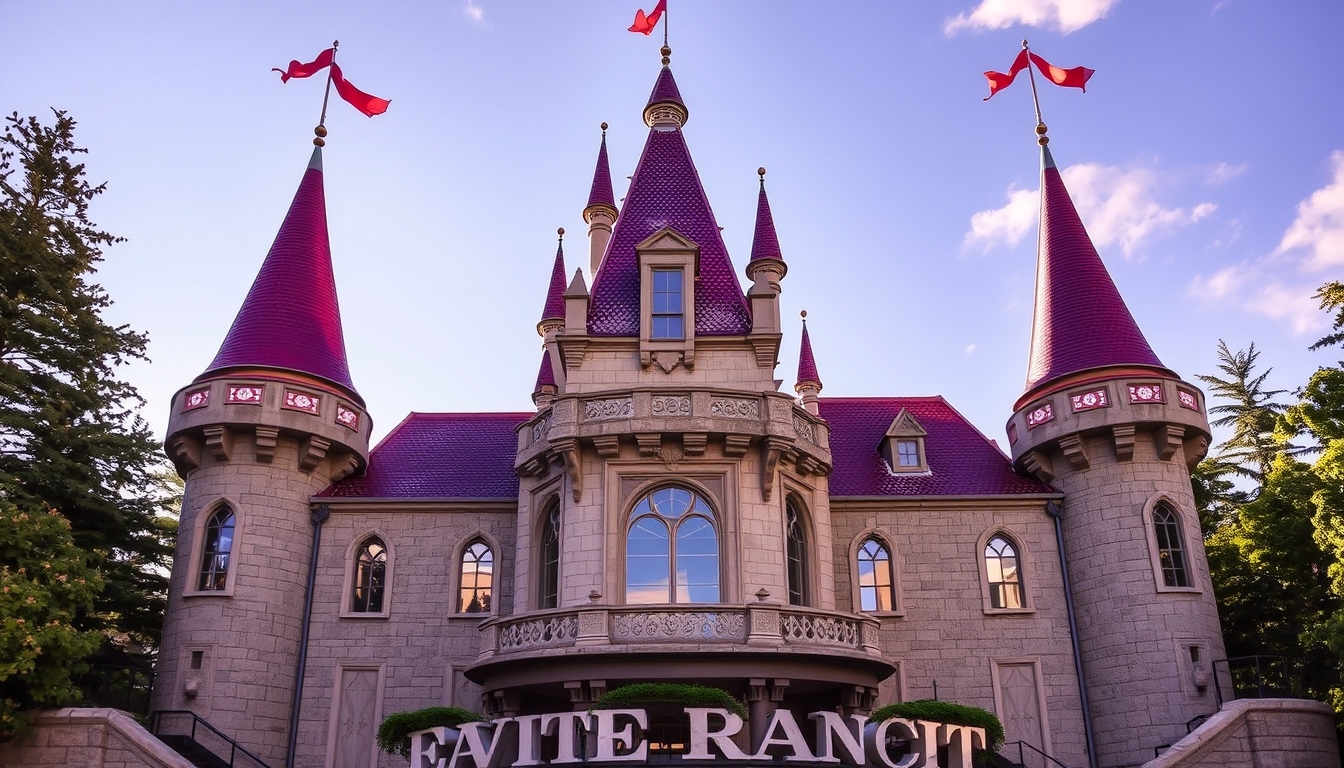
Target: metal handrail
[1190,726]
[155,719]
[1021,757]
[1289,663]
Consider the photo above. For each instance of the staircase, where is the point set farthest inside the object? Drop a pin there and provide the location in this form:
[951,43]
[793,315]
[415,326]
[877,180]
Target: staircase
[202,744]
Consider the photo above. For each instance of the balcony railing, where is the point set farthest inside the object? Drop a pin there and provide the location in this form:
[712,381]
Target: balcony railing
[789,628]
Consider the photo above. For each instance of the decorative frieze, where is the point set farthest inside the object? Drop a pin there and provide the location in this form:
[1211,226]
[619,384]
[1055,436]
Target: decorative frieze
[197,398]
[347,417]
[1187,399]
[244,395]
[302,401]
[1146,393]
[1090,400]
[671,405]
[734,408]
[616,408]
[542,632]
[819,630]
[541,428]
[663,626]
[804,429]
[1040,415]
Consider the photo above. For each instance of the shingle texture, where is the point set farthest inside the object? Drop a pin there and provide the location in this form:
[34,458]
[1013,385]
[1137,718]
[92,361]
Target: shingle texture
[601,193]
[961,460]
[765,244]
[555,294]
[441,456]
[666,192]
[546,375]
[807,365]
[291,319]
[1080,321]
[665,89]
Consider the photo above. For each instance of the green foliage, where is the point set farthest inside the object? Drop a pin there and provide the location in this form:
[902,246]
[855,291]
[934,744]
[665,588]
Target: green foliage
[683,694]
[70,438]
[945,712]
[394,735]
[1251,412]
[45,585]
[1331,296]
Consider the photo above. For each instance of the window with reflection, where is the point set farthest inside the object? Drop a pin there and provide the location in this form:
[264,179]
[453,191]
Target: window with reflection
[217,550]
[876,587]
[795,538]
[477,578]
[672,549]
[668,320]
[1170,549]
[1003,570]
[548,587]
[370,577]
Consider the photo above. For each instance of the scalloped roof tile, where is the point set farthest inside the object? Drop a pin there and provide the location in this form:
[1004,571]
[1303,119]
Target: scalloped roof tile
[665,89]
[601,193]
[765,243]
[546,374]
[807,365]
[291,319]
[555,294]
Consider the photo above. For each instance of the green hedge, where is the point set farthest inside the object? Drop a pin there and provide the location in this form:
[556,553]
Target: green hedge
[686,695]
[945,712]
[394,735]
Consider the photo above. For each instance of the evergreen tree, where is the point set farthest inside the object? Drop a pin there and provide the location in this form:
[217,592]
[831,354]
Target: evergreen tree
[1252,413]
[1331,296]
[70,438]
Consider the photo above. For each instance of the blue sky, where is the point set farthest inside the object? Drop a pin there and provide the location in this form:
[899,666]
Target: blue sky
[1207,160]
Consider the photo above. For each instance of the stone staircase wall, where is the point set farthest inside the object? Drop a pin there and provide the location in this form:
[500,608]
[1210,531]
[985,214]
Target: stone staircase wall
[88,738]
[1259,733]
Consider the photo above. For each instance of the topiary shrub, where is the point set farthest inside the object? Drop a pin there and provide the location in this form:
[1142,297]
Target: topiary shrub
[683,694]
[945,712]
[394,735]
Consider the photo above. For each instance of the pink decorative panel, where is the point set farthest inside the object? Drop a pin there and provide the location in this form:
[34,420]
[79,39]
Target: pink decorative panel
[1146,393]
[302,401]
[1187,399]
[1086,401]
[1039,415]
[197,398]
[1012,433]
[347,417]
[248,395]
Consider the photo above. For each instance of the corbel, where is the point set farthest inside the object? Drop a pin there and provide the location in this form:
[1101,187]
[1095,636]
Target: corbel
[1169,438]
[693,443]
[219,440]
[1038,463]
[1072,446]
[185,452]
[608,446]
[648,443]
[266,440]
[736,445]
[312,451]
[772,448]
[1123,435]
[568,449]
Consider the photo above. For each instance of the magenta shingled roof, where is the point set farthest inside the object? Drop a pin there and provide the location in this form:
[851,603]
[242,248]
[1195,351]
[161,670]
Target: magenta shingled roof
[807,366]
[962,461]
[441,456]
[291,319]
[601,193]
[1080,321]
[665,89]
[765,244]
[555,295]
[546,375]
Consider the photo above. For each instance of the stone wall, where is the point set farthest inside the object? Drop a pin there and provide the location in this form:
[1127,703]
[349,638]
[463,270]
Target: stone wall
[88,738]
[1259,733]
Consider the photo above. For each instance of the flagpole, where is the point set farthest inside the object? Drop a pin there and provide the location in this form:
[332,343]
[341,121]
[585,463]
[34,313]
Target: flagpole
[321,129]
[1035,99]
[665,15]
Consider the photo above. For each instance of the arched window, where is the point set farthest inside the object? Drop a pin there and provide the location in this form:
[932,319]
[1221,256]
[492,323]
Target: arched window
[370,577]
[795,543]
[477,578]
[876,587]
[1004,573]
[672,550]
[548,586]
[217,550]
[1170,550]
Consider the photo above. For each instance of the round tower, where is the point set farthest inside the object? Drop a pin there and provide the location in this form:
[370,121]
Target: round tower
[272,421]
[1118,432]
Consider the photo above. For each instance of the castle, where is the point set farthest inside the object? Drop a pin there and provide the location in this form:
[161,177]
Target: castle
[668,513]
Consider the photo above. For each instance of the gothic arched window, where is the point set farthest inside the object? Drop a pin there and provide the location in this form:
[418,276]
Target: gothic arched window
[476,578]
[876,587]
[1003,570]
[795,544]
[1170,550]
[548,586]
[217,550]
[370,577]
[672,549]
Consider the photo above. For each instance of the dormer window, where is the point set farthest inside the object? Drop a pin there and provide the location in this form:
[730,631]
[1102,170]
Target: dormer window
[669,317]
[903,445]
[668,264]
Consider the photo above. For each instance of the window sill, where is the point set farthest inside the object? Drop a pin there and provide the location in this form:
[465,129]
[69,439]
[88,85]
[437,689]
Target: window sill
[365,615]
[482,616]
[1161,588]
[1010,611]
[226,592]
[898,614]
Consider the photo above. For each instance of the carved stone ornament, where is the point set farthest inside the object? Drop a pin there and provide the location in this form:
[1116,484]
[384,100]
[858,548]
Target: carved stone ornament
[670,456]
[804,429]
[1040,415]
[541,428]
[732,408]
[347,417]
[656,625]
[197,398]
[594,410]
[1187,399]
[244,395]
[671,405]
[302,401]
[1146,393]
[667,360]
[1090,400]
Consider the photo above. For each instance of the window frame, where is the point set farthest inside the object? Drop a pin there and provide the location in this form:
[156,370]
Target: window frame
[893,564]
[551,509]
[352,551]
[459,553]
[1015,540]
[801,522]
[709,513]
[1187,543]
[197,558]
[667,250]
[655,315]
[905,428]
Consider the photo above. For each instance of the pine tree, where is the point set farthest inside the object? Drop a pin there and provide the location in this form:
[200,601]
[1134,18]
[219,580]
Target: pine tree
[1252,413]
[70,438]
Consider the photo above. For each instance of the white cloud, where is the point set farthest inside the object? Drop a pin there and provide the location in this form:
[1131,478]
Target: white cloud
[1226,282]
[473,11]
[969,349]
[1318,230]
[1117,205]
[1294,304]
[1224,172]
[1060,15]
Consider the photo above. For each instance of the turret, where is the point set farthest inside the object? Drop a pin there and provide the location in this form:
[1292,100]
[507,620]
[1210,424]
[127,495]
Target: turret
[809,382]
[600,213]
[274,419]
[765,269]
[1118,432]
[553,318]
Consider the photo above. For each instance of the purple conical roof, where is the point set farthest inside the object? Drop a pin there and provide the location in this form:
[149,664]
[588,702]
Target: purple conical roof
[290,319]
[665,89]
[545,376]
[601,193]
[807,365]
[765,244]
[1080,321]
[665,191]
[555,295]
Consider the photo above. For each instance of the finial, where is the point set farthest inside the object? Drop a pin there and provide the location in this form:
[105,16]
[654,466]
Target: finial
[335,44]
[321,132]
[667,55]
[1024,45]
[604,129]
[561,233]
[803,314]
[761,172]
[1041,138]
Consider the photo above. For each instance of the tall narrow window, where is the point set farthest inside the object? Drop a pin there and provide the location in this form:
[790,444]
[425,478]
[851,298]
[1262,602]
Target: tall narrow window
[672,550]
[548,587]
[477,578]
[1170,550]
[1004,574]
[370,577]
[217,550]
[876,592]
[668,313]
[796,545]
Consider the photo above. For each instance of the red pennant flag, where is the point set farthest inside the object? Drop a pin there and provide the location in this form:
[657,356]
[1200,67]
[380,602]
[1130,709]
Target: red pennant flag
[1000,80]
[1071,78]
[645,24]
[366,103]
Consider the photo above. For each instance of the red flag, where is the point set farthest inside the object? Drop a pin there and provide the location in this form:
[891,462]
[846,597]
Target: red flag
[366,103]
[645,24]
[1072,78]
[999,80]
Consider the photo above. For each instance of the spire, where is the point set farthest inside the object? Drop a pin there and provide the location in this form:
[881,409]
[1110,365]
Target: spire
[290,319]
[545,389]
[665,110]
[553,314]
[765,244]
[600,214]
[665,191]
[1080,321]
[601,193]
[809,383]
